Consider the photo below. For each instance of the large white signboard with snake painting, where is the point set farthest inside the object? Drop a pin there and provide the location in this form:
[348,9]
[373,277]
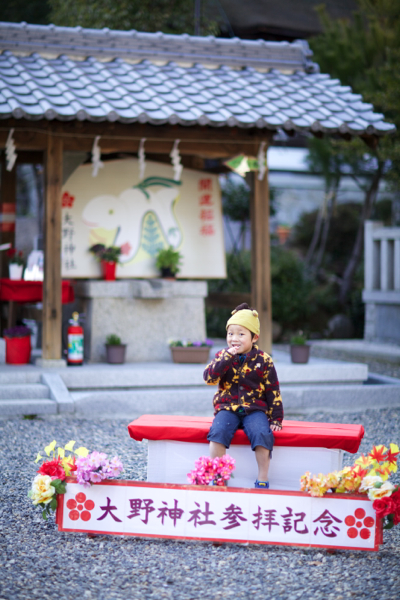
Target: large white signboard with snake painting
[116,208]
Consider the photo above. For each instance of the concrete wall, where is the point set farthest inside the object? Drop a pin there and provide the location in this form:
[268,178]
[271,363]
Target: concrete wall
[144,313]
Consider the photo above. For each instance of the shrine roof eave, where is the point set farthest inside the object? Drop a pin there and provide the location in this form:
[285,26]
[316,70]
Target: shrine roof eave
[211,82]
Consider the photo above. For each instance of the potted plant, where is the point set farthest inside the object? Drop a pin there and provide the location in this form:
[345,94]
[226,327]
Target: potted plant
[15,264]
[115,350]
[18,345]
[183,351]
[108,257]
[167,262]
[299,349]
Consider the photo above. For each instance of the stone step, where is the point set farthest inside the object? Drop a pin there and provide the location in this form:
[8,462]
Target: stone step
[163,375]
[341,398]
[18,374]
[22,391]
[18,408]
[133,403]
[196,401]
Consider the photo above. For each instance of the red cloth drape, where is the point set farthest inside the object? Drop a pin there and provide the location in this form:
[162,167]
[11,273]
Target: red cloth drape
[31,291]
[294,433]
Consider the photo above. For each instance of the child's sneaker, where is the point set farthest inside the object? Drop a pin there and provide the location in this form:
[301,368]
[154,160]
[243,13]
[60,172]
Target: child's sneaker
[262,485]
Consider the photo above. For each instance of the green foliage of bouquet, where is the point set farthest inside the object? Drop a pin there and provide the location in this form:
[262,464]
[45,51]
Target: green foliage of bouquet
[110,254]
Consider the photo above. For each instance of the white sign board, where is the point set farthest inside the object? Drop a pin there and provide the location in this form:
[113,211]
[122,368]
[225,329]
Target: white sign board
[219,514]
[117,209]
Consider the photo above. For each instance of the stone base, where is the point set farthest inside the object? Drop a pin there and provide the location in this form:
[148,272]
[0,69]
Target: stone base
[145,314]
[50,363]
[382,322]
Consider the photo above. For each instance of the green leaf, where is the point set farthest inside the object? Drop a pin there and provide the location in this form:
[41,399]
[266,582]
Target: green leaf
[44,514]
[62,488]
[55,483]
[378,484]
[53,503]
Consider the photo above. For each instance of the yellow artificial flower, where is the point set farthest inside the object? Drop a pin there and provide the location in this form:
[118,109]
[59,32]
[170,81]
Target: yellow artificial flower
[66,462]
[305,482]
[82,451]
[385,490]
[50,447]
[42,491]
[70,446]
[363,461]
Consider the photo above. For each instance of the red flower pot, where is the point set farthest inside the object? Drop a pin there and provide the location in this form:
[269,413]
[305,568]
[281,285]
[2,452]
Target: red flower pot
[108,270]
[18,350]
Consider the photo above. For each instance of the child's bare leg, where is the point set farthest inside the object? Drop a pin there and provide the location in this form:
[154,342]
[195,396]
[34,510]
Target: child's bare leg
[263,458]
[217,449]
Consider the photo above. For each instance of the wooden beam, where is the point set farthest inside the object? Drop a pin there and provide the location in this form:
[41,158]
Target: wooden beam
[110,145]
[52,310]
[261,258]
[118,137]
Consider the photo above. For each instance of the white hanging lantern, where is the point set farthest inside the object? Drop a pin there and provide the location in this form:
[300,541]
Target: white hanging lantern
[176,161]
[96,157]
[262,161]
[142,159]
[11,155]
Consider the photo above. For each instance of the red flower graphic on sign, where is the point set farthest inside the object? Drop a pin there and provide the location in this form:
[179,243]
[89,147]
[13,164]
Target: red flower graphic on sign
[358,524]
[67,200]
[77,507]
[126,248]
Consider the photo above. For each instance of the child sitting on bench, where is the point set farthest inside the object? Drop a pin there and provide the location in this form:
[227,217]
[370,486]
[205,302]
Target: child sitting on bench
[248,393]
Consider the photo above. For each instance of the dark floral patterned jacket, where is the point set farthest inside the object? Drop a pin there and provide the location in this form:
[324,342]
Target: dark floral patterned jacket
[253,385]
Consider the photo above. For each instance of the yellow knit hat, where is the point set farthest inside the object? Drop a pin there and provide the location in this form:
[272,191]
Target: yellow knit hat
[246,318]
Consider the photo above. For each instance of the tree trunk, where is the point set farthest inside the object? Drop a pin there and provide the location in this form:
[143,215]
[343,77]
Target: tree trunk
[356,254]
[316,234]
[327,222]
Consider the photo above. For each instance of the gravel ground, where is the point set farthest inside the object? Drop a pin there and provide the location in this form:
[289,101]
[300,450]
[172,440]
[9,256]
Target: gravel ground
[38,562]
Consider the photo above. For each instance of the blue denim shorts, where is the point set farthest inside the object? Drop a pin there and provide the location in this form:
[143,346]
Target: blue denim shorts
[255,425]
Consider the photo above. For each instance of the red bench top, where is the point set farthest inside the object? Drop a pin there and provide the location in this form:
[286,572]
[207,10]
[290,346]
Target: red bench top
[294,433]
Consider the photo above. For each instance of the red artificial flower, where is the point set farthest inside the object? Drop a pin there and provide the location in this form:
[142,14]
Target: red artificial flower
[53,468]
[72,465]
[359,472]
[396,498]
[11,252]
[383,506]
[396,515]
[392,456]
[378,453]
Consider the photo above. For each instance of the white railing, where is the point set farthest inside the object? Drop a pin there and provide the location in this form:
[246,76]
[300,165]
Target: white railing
[382,258]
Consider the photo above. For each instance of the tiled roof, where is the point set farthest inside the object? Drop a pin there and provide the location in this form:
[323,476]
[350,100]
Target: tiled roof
[71,73]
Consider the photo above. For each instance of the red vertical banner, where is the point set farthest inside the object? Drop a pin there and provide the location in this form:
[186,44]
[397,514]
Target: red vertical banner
[206,207]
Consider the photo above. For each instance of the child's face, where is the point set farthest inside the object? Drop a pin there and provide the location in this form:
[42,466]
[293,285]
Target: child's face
[240,338]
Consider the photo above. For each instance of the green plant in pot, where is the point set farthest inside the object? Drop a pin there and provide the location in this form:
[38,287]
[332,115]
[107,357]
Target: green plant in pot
[299,349]
[115,350]
[168,262]
[108,257]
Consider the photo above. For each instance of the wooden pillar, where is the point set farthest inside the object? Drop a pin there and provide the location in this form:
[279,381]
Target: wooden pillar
[261,258]
[52,310]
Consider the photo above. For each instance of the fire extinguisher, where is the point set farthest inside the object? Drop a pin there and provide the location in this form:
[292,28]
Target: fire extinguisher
[75,341]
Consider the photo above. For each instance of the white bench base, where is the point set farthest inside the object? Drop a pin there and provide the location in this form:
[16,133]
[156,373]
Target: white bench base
[170,462]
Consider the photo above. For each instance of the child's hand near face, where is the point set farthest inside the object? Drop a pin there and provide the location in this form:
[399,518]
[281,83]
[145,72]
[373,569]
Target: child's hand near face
[233,350]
